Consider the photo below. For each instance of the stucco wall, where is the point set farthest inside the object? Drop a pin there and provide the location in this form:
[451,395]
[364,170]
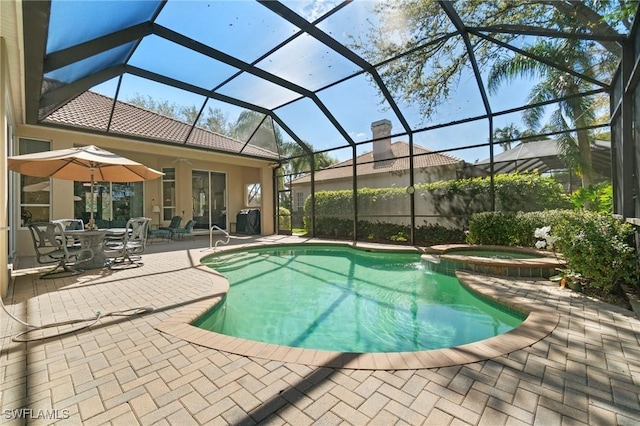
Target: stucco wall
[239,172]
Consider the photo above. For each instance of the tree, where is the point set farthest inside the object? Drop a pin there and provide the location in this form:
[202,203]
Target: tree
[299,162]
[555,84]
[258,130]
[431,71]
[505,136]
[212,119]
[216,121]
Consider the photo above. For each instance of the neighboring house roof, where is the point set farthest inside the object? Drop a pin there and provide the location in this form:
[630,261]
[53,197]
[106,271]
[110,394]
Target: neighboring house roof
[544,155]
[91,111]
[422,158]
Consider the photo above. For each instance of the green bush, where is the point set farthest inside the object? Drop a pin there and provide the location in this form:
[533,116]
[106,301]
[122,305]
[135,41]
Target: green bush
[384,232]
[595,245]
[598,247]
[597,198]
[493,228]
[284,218]
[454,200]
[512,229]
[432,234]
[513,192]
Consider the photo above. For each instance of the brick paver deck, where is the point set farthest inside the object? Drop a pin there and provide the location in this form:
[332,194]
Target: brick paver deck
[123,370]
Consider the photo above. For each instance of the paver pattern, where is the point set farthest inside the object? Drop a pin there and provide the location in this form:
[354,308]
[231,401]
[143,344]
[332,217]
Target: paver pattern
[122,370]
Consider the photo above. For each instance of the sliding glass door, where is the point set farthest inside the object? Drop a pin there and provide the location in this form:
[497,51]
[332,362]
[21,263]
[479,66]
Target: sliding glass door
[113,203]
[209,194]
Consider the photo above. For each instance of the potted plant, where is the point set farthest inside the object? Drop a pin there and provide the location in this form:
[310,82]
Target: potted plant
[568,278]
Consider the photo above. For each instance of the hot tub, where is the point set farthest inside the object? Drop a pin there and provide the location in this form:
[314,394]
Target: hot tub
[492,260]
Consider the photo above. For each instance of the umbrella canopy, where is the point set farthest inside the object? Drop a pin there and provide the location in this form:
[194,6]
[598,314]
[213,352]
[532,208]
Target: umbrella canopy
[88,163]
[37,187]
[83,163]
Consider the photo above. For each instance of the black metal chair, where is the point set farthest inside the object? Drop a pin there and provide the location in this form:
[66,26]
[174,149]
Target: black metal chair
[126,252]
[50,244]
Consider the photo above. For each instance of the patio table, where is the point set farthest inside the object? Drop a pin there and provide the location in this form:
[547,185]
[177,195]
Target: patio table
[93,241]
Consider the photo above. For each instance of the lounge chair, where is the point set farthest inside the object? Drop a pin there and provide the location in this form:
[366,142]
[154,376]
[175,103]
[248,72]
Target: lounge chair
[173,225]
[186,231]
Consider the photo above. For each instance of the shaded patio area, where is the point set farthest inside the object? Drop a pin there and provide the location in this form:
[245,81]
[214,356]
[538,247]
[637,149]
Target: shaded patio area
[124,371]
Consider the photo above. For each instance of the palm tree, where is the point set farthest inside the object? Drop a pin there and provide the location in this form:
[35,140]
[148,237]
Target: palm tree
[505,136]
[299,161]
[259,131]
[570,113]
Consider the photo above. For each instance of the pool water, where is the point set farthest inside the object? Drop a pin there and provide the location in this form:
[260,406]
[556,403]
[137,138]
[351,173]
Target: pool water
[348,300]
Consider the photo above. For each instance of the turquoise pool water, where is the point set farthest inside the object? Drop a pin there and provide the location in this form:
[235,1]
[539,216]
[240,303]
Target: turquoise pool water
[348,300]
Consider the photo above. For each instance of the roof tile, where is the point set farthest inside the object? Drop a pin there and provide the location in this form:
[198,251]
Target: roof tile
[91,110]
[400,161]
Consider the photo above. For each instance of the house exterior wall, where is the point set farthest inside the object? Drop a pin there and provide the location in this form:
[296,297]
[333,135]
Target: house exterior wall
[239,172]
[5,124]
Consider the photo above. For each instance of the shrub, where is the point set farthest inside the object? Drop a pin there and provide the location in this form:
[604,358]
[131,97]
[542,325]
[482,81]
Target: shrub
[597,246]
[597,198]
[512,229]
[284,218]
[453,200]
[513,192]
[493,228]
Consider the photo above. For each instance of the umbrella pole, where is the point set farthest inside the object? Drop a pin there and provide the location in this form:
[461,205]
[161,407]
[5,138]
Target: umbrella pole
[92,201]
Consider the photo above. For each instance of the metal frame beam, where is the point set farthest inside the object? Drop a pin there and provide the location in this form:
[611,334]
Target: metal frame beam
[98,45]
[543,60]
[66,93]
[544,32]
[35,18]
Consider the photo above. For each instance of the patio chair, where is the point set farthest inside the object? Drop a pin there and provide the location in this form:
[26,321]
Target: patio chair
[173,225]
[50,244]
[71,225]
[186,231]
[126,252]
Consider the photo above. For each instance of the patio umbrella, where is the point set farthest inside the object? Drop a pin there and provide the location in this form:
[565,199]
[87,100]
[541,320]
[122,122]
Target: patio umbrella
[88,163]
[43,186]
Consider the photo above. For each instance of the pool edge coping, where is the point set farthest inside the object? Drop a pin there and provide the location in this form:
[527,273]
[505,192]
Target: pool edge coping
[540,322]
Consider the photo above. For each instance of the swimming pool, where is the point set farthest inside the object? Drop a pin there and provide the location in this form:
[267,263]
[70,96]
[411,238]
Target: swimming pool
[344,299]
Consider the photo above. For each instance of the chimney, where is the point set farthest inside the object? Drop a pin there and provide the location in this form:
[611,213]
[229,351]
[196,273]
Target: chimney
[381,130]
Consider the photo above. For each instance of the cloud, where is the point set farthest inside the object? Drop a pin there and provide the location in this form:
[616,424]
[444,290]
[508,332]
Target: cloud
[315,9]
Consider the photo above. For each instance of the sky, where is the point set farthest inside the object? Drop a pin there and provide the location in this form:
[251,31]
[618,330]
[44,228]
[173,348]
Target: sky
[247,30]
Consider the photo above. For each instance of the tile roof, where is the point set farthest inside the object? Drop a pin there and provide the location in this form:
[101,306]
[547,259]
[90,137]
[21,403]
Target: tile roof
[91,111]
[422,158]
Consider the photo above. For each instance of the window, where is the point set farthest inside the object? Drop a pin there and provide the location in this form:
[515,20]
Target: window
[300,201]
[168,193]
[253,193]
[35,196]
[113,203]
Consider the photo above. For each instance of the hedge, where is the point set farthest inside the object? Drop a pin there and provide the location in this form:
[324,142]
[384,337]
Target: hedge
[453,202]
